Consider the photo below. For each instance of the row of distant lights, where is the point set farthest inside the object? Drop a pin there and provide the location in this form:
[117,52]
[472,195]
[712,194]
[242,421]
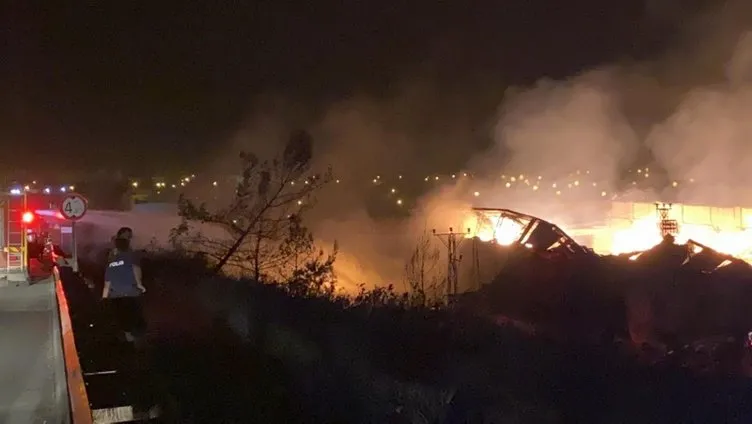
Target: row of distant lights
[399,202]
[535,187]
[46,190]
[644,171]
[512,179]
[558,192]
[161,184]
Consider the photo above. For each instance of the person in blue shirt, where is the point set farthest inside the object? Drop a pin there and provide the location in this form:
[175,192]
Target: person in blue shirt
[123,289]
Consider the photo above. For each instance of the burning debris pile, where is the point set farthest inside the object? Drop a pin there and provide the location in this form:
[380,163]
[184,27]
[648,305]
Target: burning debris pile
[668,296]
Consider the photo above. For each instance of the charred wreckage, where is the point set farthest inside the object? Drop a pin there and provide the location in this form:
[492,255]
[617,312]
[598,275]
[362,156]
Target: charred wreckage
[670,298]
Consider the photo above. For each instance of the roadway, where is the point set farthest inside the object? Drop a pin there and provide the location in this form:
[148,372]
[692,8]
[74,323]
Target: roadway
[33,383]
[49,375]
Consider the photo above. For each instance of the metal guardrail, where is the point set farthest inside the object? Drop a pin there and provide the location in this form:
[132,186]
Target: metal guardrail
[91,410]
[77,396]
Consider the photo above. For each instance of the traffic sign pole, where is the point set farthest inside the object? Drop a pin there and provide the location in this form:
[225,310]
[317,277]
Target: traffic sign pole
[75,247]
[73,208]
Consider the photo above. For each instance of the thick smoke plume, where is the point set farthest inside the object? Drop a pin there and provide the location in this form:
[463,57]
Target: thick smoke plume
[707,138]
[555,128]
[686,114]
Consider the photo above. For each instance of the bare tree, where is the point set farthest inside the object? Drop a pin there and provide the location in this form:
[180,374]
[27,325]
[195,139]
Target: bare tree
[261,231]
[422,279]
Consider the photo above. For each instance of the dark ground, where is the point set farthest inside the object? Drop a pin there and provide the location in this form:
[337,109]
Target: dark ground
[366,361]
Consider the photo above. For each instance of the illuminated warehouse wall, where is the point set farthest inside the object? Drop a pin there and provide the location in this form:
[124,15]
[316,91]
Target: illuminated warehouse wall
[633,226]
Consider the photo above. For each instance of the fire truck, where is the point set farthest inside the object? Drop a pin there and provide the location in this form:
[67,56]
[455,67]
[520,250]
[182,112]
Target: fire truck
[31,226]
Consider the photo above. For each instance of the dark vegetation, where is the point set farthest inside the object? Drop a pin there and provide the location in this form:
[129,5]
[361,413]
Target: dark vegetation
[238,351]
[246,326]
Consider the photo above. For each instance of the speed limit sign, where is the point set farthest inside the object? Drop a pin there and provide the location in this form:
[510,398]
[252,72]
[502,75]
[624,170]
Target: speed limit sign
[73,207]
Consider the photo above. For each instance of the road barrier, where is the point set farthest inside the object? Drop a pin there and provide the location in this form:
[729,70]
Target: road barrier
[79,402]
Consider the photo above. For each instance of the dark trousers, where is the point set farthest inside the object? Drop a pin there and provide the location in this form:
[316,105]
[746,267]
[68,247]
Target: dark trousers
[127,314]
[131,358]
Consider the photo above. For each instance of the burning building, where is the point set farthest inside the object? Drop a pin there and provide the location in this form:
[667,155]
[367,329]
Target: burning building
[632,227]
[643,276]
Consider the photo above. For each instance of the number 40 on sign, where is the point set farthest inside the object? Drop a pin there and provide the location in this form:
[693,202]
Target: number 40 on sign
[73,207]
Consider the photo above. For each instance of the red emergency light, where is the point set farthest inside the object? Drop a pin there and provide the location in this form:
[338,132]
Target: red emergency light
[27,217]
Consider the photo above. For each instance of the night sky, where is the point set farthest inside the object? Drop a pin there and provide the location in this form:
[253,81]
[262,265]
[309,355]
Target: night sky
[151,86]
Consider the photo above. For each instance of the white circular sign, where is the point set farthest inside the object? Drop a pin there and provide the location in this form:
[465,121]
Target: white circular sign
[73,207]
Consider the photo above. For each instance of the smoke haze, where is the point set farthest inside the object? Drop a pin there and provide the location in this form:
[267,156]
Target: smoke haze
[686,114]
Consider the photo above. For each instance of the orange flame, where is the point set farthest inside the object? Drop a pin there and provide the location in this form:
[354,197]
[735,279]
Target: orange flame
[491,226]
[642,234]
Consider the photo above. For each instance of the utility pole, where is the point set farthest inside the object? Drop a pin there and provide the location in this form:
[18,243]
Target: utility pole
[453,258]
[476,263]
